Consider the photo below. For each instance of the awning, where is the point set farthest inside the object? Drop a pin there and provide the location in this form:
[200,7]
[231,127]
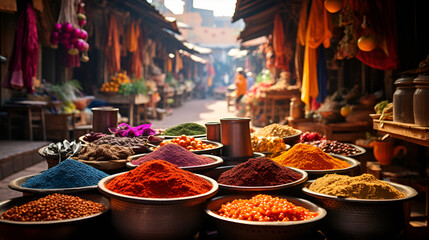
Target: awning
[258,15]
[148,13]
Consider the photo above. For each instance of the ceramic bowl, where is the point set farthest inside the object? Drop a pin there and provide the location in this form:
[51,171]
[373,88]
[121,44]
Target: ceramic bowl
[252,230]
[157,218]
[292,139]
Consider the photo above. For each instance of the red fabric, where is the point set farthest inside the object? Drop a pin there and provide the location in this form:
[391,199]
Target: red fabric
[23,66]
[381,22]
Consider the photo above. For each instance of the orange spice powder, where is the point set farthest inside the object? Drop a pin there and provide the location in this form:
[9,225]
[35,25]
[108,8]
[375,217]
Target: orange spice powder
[307,157]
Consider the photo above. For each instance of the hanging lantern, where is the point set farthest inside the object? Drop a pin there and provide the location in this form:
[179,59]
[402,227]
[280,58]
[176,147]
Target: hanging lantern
[333,6]
[367,43]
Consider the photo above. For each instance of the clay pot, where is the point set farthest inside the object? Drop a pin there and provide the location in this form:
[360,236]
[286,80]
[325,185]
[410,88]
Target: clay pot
[384,152]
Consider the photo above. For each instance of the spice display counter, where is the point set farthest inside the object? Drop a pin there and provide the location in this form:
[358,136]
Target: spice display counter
[405,131]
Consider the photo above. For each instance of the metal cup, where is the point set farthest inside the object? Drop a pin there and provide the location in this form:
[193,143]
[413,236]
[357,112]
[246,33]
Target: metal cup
[235,137]
[213,131]
[103,118]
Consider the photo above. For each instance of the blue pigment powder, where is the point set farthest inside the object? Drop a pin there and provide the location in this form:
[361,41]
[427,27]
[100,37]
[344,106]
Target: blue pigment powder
[67,174]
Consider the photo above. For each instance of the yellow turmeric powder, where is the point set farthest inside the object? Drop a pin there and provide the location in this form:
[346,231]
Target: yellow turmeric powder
[365,186]
[307,157]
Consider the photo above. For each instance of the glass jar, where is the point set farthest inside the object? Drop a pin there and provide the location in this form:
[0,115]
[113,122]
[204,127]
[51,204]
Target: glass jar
[421,100]
[403,99]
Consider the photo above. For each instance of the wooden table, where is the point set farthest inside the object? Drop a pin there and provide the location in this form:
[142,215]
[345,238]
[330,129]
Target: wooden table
[34,113]
[130,102]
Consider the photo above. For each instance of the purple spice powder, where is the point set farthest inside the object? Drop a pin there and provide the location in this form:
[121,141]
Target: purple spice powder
[175,154]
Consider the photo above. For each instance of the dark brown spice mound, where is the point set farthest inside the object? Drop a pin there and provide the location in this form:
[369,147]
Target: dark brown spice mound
[104,152]
[258,172]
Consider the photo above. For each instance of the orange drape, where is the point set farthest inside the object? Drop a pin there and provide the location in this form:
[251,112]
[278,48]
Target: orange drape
[318,31]
[113,49]
[179,63]
[279,47]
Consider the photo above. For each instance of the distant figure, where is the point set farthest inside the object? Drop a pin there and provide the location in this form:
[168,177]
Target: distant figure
[241,86]
[250,80]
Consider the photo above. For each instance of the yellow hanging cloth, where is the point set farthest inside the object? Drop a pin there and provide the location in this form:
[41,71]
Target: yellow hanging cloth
[318,31]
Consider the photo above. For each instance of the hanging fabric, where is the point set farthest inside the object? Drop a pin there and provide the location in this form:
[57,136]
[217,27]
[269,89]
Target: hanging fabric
[179,62]
[318,31]
[137,54]
[113,50]
[382,15]
[279,44]
[23,66]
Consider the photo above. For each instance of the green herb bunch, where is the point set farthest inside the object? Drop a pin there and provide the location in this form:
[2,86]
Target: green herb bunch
[137,86]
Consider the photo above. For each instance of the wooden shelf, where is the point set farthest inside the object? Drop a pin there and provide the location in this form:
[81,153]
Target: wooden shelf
[404,131]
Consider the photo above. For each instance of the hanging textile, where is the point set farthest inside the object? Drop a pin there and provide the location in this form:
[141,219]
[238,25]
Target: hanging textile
[321,75]
[302,24]
[179,62]
[113,50]
[23,66]
[318,31]
[279,44]
[137,56]
[382,15]
[131,36]
[169,65]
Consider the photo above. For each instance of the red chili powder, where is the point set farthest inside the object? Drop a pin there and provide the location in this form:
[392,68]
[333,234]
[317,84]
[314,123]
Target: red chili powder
[159,179]
[258,172]
[176,155]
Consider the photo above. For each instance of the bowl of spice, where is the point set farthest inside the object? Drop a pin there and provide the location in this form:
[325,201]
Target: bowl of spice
[188,129]
[55,216]
[289,134]
[316,162]
[194,145]
[336,147]
[105,157]
[178,156]
[261,175]
[361,207]
[69,176]
[264,217]
[155,197]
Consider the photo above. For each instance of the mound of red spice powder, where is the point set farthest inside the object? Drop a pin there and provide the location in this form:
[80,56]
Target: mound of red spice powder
[159,179]
[176,155]
[258,172]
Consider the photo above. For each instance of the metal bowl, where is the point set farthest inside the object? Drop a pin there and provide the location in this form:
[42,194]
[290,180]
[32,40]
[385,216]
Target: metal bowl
[195,136]
[62,229]
[350,218]
[253,189]
[292,139]
[354,164]
[17,185]
[251,230]
[212,151]
[157,218]
[217,162]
